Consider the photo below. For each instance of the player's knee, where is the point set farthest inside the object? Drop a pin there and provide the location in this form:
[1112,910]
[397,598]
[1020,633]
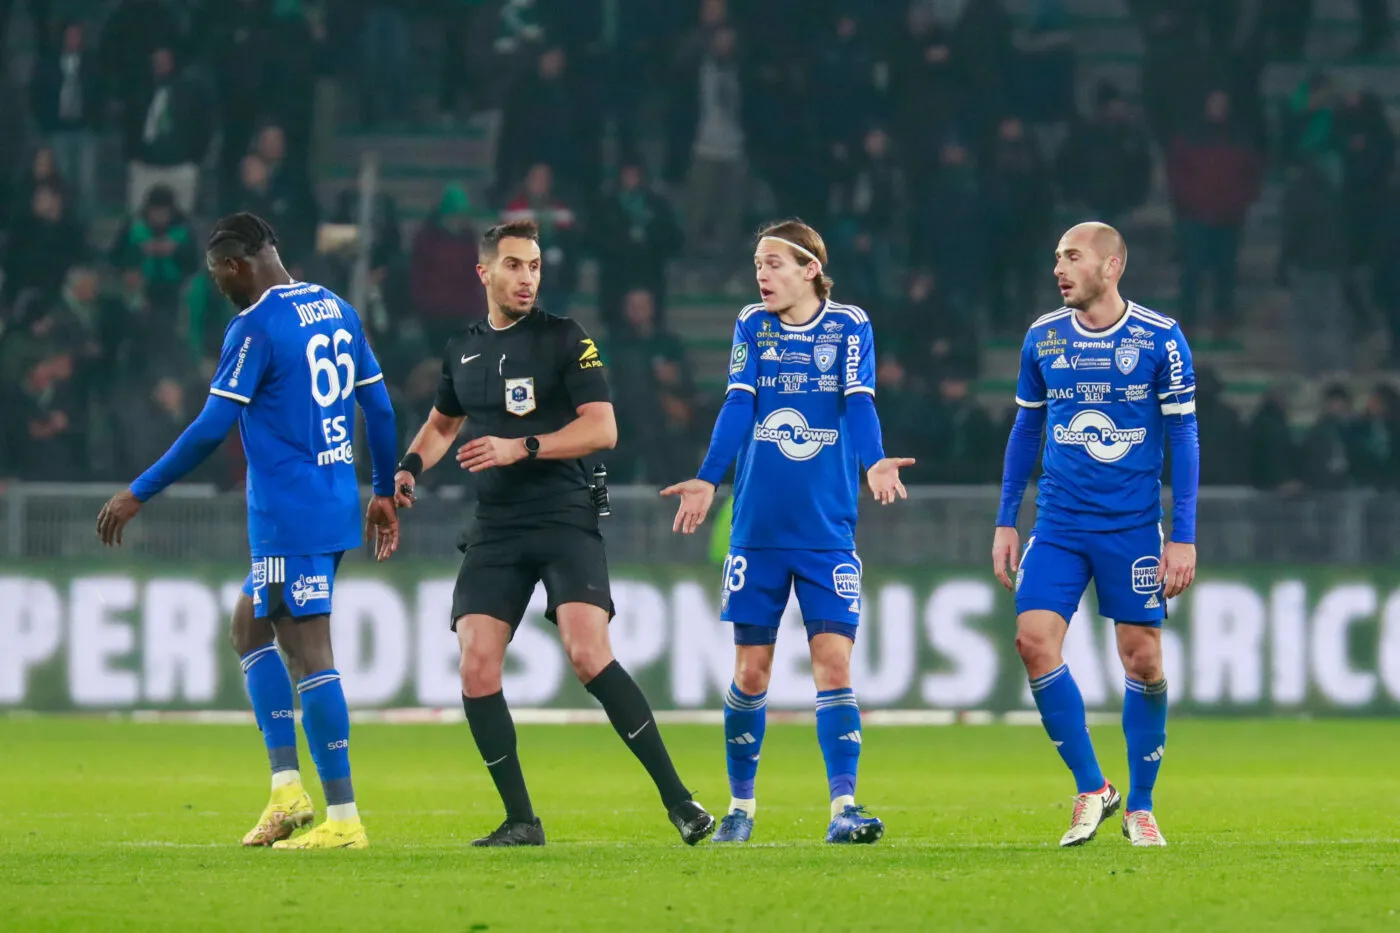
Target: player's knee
[1037,650]
[1143,663]
[589,658]
[751,674]
[481,673]
[831,673]
[248,634]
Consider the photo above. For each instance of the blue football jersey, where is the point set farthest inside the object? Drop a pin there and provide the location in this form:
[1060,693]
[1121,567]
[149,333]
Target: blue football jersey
[294,359]
[1108,396]
[798,475]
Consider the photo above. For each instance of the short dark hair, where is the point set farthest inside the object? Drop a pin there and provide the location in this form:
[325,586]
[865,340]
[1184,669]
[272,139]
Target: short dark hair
[240,235]
[524,229]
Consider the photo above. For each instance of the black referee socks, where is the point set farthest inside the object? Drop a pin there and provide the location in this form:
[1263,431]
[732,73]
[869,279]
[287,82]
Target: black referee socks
[494,732]
[631,716]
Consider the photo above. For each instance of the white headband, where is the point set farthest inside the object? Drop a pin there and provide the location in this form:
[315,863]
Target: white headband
[797,246]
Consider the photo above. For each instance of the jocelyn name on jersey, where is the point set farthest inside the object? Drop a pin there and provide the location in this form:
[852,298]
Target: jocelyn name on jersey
[1106,393]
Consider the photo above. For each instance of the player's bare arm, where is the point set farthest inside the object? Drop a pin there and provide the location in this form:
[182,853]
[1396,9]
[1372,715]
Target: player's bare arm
[593,430]
[697,496]
[1006,555]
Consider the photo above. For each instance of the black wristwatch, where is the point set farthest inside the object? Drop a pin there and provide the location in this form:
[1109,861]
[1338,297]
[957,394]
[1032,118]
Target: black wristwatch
[532,448]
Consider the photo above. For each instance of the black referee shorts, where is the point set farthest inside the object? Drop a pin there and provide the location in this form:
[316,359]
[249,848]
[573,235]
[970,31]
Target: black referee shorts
[501,567]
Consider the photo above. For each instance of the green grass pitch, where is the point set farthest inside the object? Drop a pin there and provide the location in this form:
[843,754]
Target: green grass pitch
[1274,825]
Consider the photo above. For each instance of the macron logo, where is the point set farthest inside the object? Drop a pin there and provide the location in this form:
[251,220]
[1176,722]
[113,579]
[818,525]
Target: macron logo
[1155,756]
[850,737]
[745,739]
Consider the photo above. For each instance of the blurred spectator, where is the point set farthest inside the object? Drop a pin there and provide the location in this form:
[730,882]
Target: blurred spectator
[1307,128]
[289,194]
[253,194]
[1273,453]
[1327,449]
[715,183]
[1106,160]
[868,212]
[904,412]
[1176,66]
[635,235]
[159,242]
[1386,272]
[138,339]
[560,237]
[1312,263]
[40,172]
[384,63]
[130,36]
[1043,90]
[1368,157]
[657,400]
[447,294]
[940,338]
[46,430]
[1214,173]
[982,48]
[927,81]
[65,94]
[548,116]
[841,89]
[166,135]
[297,54]
[1377,440]
[237,39]
[1222,434]
[950,227]
[44,243]
[151,420]
[1377,27]
[1020,203]
[960,436]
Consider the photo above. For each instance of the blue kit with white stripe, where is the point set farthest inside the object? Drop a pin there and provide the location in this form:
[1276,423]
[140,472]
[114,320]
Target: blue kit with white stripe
[294,360]
[1106,402]
[801,418]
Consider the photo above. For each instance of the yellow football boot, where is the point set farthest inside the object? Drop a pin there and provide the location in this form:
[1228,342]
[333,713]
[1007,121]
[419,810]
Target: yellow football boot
[289,809]
[332,834]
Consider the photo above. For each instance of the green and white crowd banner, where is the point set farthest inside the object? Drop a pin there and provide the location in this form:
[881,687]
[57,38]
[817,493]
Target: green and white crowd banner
[1250,641]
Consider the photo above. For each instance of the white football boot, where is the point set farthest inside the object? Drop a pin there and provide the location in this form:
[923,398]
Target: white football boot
[1090,810]
[1140,827]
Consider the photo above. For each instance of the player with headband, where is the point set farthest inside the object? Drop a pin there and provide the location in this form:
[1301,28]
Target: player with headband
[800,417]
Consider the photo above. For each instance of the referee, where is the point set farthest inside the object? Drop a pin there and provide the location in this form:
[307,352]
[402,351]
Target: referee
[533,388]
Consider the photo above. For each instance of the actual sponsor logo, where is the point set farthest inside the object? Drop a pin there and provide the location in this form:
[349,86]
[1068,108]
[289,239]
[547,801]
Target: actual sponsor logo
[1176,363]
[305,589]
[825,355]
[1099,436]
[520,396]
[845,579]
[1145,575]
[853,360]
[796,440]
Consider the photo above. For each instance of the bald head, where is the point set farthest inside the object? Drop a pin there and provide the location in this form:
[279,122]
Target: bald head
[1088,264]
[1099,237]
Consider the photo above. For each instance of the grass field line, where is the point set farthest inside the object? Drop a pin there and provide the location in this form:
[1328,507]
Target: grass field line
[1209,843]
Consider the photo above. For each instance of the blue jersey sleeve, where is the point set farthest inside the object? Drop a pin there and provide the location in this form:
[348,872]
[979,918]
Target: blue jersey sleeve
[367,371]
[1030,382]
[743,360]
[1175,383]
[243,361]
[1175,379]
[858,363]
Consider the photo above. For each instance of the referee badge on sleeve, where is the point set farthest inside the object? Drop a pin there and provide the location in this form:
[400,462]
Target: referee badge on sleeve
[520,396]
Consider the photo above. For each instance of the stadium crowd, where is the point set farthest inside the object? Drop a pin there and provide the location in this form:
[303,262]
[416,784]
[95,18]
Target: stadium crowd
[936,142]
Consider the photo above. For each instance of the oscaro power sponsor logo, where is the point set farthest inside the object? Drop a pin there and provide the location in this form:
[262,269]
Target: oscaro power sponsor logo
[1099,436]
[787,428]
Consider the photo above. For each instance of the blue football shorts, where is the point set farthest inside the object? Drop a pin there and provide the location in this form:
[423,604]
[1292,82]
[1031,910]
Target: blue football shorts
[298,586]
[758,582]
[1056,567]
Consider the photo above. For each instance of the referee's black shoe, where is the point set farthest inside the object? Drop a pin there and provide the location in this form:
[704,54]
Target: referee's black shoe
[692,821]
[514,834]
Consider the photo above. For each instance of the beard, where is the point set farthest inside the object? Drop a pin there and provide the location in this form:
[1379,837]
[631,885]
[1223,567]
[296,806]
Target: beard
[506,301]
[1088,294]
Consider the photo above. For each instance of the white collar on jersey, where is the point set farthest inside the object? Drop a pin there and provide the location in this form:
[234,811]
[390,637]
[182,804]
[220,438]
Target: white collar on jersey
[292,284]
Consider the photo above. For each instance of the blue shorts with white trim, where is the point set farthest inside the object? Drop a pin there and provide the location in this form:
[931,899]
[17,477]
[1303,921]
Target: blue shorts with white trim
[1056,567]
[299,586]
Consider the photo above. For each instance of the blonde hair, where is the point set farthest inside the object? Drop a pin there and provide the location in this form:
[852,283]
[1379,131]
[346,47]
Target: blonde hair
[805,245]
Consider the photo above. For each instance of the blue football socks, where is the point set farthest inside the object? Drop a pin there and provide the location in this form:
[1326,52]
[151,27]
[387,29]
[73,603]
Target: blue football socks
[745,719]
[1145,728]
[270,690]
[838,734]
[1061,708]
[326,720]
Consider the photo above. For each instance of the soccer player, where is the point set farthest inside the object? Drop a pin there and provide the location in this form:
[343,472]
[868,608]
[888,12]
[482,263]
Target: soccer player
[533,390]
[1104,379]
[294,363]
[800,416]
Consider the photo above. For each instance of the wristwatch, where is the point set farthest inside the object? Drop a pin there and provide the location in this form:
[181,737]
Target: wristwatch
[532,448]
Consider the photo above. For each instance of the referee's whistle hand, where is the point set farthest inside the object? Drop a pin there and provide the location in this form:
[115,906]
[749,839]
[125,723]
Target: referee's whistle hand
[487,452]
[404,486]
[696,498]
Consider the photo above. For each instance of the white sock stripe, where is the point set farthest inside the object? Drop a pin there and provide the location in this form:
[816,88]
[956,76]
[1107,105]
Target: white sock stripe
[825,706]
[738,701]
[1045,680]
[312,684]
[248,660]
[1136,686]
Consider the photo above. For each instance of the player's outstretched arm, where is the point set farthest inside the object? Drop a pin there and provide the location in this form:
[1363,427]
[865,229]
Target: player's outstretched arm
[881,472]
[430,444]
[196,443]
[593,430]
[732,426]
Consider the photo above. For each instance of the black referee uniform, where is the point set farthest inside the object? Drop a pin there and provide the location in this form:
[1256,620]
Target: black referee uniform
[535,519]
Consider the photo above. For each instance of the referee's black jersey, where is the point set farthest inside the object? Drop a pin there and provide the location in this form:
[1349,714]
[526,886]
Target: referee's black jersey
[526,379]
